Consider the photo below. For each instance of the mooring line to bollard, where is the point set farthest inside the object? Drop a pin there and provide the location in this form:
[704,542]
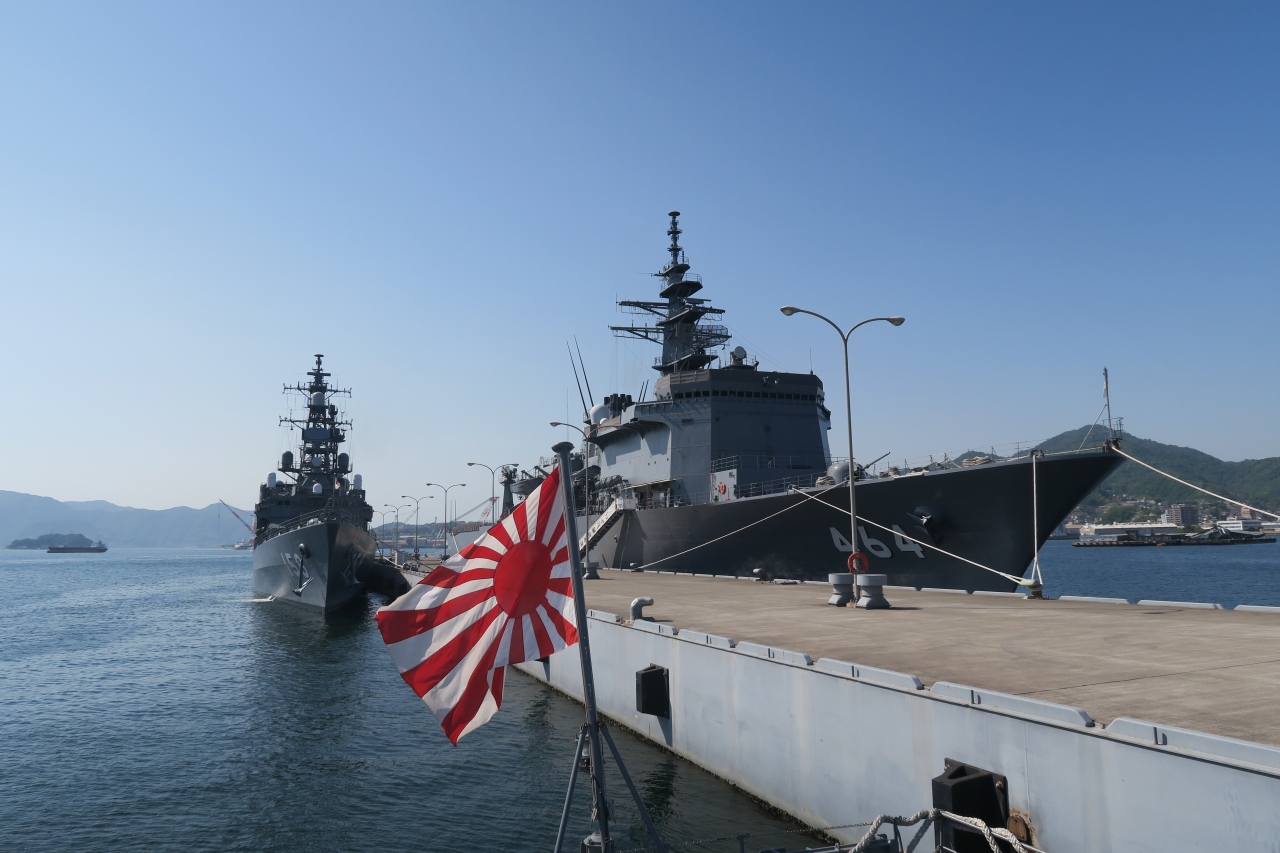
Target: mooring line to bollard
[816,497]
[733,532]
[1016,580]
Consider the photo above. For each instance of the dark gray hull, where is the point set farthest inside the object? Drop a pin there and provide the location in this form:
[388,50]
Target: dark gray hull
[985,515]
[316,567]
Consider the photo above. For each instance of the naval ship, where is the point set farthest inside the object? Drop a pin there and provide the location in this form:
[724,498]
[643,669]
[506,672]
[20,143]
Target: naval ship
[312,545]
[727,470]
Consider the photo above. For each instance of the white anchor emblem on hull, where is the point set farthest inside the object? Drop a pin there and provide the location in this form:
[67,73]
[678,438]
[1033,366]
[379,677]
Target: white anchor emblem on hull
[297,564]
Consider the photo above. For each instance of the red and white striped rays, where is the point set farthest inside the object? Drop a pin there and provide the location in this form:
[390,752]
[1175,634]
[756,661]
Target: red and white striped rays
[506,599]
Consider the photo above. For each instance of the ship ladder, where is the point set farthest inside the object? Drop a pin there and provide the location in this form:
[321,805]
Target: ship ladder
[602,525]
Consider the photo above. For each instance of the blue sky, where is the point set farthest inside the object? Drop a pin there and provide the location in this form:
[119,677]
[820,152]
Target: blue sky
[194,198]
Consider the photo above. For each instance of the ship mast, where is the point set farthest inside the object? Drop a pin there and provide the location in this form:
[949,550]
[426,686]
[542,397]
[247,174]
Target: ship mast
[322,430]
[685,339]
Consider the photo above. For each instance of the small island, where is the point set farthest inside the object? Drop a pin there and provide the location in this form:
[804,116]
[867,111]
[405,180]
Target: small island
[58,542]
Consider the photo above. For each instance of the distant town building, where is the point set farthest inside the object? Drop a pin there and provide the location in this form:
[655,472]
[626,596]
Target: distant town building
[1182,515]
[1241,525]
[1129,528]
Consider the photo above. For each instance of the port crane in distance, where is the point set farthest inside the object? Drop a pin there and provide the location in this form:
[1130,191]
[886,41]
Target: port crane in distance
[246,524]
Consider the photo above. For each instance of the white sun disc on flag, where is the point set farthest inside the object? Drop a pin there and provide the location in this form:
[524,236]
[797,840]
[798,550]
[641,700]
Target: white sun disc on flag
[506,599]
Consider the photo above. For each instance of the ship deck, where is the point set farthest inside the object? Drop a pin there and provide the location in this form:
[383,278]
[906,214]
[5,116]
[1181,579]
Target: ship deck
[1215,671]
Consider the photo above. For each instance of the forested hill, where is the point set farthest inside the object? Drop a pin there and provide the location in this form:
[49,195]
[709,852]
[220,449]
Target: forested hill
[1253,481]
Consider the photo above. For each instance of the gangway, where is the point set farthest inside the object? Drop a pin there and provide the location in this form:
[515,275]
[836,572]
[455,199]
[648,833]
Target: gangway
[607,519]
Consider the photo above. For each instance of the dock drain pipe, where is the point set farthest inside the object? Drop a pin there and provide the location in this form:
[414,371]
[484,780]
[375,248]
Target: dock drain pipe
[638,606]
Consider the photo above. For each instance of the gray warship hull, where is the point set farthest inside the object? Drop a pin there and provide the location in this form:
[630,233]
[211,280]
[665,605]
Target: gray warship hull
[317,566]
[983,514]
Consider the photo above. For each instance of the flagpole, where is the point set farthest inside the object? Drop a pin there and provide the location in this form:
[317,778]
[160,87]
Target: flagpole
[599,803]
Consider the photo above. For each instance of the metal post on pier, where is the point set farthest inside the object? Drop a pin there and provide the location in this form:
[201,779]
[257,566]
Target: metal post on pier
[599,841]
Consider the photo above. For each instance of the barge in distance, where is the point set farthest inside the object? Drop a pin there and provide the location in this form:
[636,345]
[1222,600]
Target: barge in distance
[727,469]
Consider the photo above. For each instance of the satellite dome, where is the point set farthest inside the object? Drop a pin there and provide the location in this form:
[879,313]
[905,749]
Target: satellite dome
[599,414]
[739,352]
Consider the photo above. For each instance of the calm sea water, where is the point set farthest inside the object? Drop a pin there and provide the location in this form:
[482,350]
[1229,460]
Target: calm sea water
[146,702]
[1222,574]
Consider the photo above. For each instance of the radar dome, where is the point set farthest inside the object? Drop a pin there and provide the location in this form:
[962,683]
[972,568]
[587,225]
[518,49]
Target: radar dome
[317,489]
[839,471]
[599,414]
[739,352]
[358,482]
[317,399]
[271,480]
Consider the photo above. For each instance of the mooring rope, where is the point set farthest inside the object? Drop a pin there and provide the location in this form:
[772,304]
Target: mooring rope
[1194,486]
[732,532]
[1017,580]
[816,496]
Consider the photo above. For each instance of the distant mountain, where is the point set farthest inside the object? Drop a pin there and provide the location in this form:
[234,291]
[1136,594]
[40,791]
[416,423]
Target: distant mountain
[28,516]
[1253,481]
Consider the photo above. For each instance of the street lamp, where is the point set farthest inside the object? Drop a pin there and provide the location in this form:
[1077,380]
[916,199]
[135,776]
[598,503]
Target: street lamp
[381,523]
[586,494]
[493,492]
[416,501]
[395,545]
[848,415]
[446,509]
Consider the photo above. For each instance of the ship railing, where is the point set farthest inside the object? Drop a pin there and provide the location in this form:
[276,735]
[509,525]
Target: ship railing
[767,463]
[889,466]
[320,515]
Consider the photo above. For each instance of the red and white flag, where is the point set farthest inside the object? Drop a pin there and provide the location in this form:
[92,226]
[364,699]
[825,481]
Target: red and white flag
[506,599]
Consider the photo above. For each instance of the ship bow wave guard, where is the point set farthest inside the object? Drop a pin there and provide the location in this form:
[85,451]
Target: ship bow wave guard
[312,545]
[734,451]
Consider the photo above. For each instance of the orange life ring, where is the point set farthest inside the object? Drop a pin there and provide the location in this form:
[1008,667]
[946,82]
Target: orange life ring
[721,488]
[858,563]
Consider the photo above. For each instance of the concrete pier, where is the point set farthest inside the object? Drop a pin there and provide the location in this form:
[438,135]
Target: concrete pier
[1118,726]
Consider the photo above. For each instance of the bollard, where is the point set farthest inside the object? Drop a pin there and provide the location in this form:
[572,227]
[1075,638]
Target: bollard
[761,575]
[871,592]
[842,583]
[637,608]
[591,571]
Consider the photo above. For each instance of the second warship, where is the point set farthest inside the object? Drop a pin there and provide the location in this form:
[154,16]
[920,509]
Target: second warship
[312,545]
[727,470]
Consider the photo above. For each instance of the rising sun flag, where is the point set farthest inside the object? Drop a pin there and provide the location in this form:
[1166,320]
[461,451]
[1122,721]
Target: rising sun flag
[504,600]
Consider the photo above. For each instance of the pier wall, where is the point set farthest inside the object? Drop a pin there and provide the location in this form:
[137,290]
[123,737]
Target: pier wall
[831,748]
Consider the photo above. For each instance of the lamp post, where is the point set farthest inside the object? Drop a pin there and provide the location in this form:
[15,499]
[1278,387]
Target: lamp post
[382,522]
[848,415]
[416,501]
[446,509]
[586,494]
[395,544]
[493,489]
